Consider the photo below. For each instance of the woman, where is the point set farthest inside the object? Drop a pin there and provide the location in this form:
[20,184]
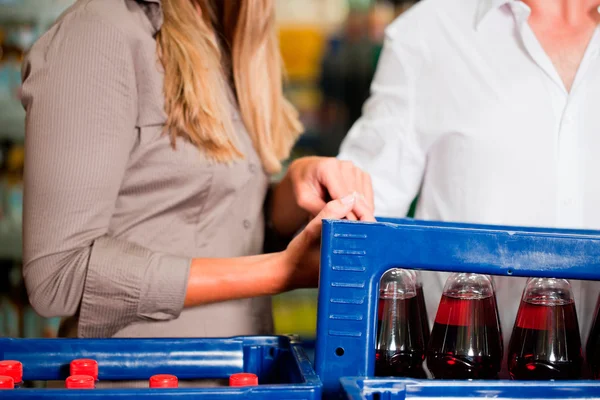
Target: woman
[152,129]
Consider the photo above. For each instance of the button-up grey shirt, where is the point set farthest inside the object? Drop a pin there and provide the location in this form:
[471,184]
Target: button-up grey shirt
[114,214]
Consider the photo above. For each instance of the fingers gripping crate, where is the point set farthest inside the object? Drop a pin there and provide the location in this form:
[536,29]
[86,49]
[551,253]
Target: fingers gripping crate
[354,256]
[283,370]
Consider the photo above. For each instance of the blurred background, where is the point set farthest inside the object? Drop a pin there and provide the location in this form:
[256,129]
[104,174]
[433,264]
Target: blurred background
[330,49]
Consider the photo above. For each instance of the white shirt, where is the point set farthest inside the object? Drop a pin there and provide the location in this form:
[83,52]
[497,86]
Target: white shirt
[468,110]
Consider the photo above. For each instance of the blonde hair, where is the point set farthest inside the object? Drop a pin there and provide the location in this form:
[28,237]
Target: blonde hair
[201,68]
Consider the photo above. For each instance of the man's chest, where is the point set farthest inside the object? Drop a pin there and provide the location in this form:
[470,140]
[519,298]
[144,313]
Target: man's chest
[497,105]
[565,47]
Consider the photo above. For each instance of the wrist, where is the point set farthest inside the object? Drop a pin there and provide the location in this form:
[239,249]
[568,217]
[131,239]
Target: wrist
[281,272]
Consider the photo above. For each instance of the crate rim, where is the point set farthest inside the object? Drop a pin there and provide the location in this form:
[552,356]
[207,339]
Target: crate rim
[356,254]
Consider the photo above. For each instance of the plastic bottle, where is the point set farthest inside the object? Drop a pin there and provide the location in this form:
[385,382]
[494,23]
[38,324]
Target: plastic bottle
[422,307]
[84,366]
[6,382]
[545,342]
[466,339]
[80,382]
[14,369]
[163,381]
[243,379]
[592,348]
[400,348]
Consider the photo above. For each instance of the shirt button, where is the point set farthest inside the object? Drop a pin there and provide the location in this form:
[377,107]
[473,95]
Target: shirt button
[568,119]
[247,224]
[252,168]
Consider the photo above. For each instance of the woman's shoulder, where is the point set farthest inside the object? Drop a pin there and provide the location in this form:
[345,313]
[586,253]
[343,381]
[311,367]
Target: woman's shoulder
[120,30]
[126,19]
[131,17]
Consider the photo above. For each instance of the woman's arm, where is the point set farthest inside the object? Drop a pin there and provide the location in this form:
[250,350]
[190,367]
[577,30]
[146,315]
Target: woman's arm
[213,280]
[80,94]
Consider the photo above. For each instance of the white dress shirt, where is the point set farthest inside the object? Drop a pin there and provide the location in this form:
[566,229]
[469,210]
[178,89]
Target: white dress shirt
[468,110]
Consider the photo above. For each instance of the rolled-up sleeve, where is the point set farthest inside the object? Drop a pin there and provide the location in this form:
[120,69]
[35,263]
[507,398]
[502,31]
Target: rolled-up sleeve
[384,142]
[79,90]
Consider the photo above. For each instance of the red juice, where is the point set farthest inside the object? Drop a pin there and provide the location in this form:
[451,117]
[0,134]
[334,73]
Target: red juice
[592,348]
[423,313]
[401,342]
[545,344]
[466,341]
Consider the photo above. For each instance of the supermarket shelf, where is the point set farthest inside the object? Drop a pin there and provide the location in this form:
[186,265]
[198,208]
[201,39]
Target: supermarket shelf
[33,11]
[11,242]
[12,120]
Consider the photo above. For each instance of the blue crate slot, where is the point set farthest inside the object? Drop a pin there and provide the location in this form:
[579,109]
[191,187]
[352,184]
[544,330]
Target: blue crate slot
[281,364]
[399,389]
[355,255]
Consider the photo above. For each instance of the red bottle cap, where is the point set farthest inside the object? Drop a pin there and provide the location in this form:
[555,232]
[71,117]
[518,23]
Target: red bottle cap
[12,368]
[243,379]
[163,381]
[80,382]
[6,382]
[85,366]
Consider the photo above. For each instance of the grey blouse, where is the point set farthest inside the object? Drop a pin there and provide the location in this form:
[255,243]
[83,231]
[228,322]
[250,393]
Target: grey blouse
[113,214]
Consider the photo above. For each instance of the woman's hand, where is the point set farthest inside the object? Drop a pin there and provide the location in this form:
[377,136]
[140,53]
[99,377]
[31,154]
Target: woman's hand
[301,258]
[310,183]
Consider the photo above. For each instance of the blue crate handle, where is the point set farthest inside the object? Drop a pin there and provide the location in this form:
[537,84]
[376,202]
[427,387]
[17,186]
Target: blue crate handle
[355,255]
[401,389]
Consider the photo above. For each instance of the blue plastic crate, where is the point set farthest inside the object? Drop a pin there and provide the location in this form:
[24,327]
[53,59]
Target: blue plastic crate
[283,370]
[398,389]
[355,255]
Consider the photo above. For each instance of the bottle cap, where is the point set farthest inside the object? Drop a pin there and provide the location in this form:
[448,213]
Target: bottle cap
[163,381]
[243,379]
[398,283]
[85,366]
[80,382]
[6,382]
[12,368]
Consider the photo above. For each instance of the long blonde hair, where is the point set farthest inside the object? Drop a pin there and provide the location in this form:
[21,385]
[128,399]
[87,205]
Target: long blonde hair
[206,50]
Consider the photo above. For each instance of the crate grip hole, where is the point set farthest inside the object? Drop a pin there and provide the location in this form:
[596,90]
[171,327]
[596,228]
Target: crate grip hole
[339,352]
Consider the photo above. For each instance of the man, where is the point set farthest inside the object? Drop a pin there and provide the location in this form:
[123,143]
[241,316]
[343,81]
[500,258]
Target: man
[490,110]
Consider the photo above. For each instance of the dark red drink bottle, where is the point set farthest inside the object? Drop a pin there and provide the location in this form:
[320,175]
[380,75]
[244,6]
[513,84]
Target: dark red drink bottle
[163,381]
[84,366]
[14,369]
[592,348]
[545,343]
[80,382]
[243,379]
[422,308]
[466,339]
[400,347]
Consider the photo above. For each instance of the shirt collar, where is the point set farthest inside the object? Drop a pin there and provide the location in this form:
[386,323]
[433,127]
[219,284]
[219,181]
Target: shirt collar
[153,10]
[487,6]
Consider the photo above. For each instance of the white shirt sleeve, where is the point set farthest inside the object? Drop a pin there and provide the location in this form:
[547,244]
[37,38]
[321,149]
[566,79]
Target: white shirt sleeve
[383,141]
